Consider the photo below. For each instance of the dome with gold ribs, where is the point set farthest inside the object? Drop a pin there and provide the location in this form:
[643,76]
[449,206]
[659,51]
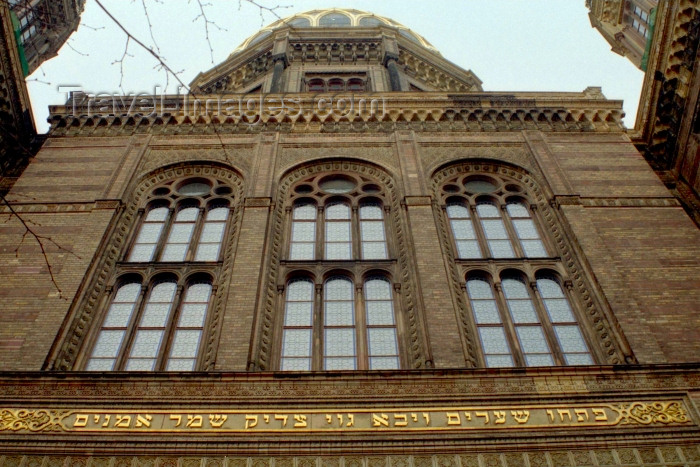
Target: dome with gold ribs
[336,18]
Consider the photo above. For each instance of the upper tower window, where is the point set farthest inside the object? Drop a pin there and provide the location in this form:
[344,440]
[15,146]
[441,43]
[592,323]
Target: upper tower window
[334,20]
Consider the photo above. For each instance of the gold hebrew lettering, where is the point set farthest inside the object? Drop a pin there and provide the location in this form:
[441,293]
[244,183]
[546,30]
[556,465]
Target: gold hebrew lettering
[400,420]
[249,419]
[581,415]
[143,421]
[563,412]
[380,420]
[266,417]
[217,420]
[340,419]
[351,420]
[80,421]
[426,416]
[414,417]
[485,415]
[468,416]
[107,419]
[299,421]
[178,418]
[96,418]
[123,421]
[453,418]
[194,421]
[329,419]
[550,414]
[600,415]
[520,416]
[500,417]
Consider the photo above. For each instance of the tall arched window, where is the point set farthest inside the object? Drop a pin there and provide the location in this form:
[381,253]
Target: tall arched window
[157,321]
[160,329]
[513,295]
[338,332]
[535,326]
[338,316]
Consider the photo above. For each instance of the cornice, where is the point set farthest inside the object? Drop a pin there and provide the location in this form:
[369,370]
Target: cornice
[587,111]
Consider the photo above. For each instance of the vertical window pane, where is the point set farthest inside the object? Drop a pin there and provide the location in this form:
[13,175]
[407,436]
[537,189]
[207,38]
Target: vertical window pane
[463,231]
[495,230]
[339,334]
[180,235]
[111,337]
[566,328]
[383,349]
[526,230]
[212,235]
[151,328]
[303,232]
[527,324]
[149,235]
[298,326]
[372,232]
[338,231]
[492,335]
[190,328]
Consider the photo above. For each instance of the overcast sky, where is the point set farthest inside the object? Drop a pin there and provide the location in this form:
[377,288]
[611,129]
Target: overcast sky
[511,45]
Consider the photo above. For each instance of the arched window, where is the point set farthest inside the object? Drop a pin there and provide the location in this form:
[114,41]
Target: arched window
[489,218]
[339,305]
[535,327]
[340,333]
[160,330]
[372,231]
[338,231]
[316,85]
[356,85]
[519,312]
[336,85]
[334,20]
[158,321]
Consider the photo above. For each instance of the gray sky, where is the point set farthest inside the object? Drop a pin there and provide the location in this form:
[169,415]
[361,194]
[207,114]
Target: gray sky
[511,45]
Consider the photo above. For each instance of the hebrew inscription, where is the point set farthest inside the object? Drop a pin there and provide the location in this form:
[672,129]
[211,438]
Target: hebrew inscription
[383,419]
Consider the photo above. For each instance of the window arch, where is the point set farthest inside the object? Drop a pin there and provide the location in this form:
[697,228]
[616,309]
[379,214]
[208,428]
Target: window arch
[512,261]
[339,257]
[174,233]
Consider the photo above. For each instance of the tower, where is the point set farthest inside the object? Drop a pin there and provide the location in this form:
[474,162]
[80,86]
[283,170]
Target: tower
[340,250]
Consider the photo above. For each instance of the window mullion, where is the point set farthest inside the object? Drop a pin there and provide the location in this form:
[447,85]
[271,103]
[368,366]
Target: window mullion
[389,233]
[165,233]
[318,328]
[355,240]
[169,331]
[196,234]
[361,348]
[131,329]
[320,247]
[288,226]
[479,230]
[515,240]
[508,325]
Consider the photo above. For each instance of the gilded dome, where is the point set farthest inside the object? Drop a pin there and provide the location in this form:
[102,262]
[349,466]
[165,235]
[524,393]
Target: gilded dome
[335,17]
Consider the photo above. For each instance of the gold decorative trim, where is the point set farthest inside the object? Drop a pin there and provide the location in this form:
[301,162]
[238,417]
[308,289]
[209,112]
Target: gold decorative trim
[377,419]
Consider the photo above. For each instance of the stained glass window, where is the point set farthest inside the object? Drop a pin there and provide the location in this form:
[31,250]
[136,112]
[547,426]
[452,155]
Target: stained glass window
[190,327]
[382,343]
[525,230]
[495,230]
[303,232]
[180,234]
[212,234]
[298,326]
[339,325]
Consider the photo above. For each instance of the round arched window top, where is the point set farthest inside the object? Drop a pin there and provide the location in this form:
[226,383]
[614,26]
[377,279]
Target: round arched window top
[480,185]
[336,20]
[194,188]
[337,184]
